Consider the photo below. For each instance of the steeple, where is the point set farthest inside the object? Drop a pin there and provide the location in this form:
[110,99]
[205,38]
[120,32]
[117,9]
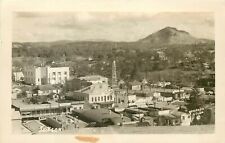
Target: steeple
[114,76]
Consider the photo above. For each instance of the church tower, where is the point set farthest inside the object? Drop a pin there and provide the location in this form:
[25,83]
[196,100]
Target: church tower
[114,76]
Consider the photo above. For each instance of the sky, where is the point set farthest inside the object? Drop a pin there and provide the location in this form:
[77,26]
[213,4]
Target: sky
[112,26]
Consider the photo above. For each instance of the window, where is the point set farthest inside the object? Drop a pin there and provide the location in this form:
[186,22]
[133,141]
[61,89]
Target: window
[95,99]
[53,73]
[101,98]
[110,97]
[107,97]
[104,98]
[92,99]
[65,73]
[59,73]
[98,98]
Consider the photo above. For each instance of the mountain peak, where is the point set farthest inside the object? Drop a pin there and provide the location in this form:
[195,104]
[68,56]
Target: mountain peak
[173,29]
[169,35]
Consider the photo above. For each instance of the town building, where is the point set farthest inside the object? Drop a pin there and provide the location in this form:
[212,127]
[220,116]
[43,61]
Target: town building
[45,75]
[18,76]
[47,89]
[135,85]
[95,79]
[39,110]
[96,93]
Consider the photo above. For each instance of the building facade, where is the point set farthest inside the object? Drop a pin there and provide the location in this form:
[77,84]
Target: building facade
[100,93]
[18,76]
[45,75]
[97,93]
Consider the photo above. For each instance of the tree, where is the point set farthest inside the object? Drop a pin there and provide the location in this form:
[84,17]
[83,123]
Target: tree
[23,94]
[195,101]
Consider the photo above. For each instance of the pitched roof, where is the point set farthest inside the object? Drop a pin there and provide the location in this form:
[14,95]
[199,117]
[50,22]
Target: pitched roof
[96,115]
[135,83]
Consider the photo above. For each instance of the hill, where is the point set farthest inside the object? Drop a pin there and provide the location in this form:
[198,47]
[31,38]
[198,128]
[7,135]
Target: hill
[171,36]
[165,36]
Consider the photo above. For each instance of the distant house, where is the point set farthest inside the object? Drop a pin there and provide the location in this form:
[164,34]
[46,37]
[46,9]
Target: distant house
[162,55]
[47,89]
[131,100]
[166,97]
[136,85]
[95,79]
[144,81]
[77,106]
[174,118]
[184,117]
[18,76]
[15,92]
[206,65]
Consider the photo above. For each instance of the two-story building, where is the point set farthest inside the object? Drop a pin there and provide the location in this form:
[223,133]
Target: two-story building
[45,75]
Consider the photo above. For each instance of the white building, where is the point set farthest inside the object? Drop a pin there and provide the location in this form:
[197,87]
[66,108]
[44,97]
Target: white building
[97,93]
[56,75]
[184,117]
[100,93]
[32,75]
[95,79]
[18,76]
[45,75]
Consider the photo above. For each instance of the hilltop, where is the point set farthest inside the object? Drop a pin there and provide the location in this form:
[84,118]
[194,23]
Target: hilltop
[172,36]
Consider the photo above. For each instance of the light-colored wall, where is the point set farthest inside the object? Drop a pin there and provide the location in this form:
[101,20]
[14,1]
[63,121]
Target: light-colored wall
[17,76]
[185,119]
[44,75]
[136,87]
[57,74]
[29,74]
[101,98]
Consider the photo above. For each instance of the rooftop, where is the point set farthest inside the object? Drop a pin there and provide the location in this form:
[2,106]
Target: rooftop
[96,115]
[92,77]
[23,106]
[135,83]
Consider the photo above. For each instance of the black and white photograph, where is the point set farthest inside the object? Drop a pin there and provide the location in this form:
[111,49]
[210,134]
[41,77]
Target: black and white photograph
[113,73]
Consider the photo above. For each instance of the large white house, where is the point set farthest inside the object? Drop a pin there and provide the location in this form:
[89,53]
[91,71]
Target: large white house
[99,93]
[96,93]
[45,75]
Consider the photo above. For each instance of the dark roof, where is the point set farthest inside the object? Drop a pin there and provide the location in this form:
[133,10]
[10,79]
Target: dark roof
[96,115]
